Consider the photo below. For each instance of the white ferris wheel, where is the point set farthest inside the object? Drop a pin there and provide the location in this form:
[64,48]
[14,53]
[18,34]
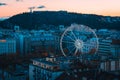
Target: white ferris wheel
[77,40]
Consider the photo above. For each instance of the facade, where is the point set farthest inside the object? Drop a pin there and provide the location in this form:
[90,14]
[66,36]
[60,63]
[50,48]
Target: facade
[37,42]
[21,38]
[16,73]
[44,69]
[115,49]
[49,68]
[52,68]
[42,41]
[23,44]
[104,47]
[7,46]
[110,65]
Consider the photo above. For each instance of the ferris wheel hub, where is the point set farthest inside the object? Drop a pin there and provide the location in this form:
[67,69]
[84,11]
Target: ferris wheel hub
[78,44]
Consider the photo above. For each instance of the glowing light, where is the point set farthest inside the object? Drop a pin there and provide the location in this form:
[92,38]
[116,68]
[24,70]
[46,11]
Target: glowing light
[78,44]
[2,40]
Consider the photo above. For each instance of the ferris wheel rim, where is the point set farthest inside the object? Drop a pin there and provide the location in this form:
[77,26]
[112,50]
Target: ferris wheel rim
[68,29]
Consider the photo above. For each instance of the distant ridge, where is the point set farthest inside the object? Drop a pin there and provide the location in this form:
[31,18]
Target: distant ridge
[3,18]
[37,19]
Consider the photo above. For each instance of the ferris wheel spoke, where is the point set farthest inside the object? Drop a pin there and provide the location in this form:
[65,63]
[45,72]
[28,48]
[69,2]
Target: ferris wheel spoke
[68,42]
[85,44]
[72,50]
[76,51]
[79,50]
[69,37]
[68,47]
[78,36]
[74,35]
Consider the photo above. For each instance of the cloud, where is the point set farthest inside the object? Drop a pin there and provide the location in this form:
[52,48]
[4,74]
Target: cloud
[40,7]
[3,4]
[34,7]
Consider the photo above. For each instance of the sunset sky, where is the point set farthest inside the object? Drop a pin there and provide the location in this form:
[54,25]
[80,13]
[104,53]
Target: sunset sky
[100,7]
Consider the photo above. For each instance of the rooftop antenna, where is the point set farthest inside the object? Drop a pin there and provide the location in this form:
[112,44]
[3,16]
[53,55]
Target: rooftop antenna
[31,9]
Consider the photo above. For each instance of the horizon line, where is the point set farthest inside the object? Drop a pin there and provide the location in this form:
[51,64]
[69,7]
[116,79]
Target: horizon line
[61,10]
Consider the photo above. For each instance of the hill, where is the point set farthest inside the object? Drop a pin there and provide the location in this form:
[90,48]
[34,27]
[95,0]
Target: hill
[38,18]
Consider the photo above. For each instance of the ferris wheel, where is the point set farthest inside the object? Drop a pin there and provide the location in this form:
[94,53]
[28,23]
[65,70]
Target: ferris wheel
[77,40]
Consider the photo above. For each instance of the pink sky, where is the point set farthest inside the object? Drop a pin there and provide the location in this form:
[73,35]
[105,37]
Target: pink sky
[100,7]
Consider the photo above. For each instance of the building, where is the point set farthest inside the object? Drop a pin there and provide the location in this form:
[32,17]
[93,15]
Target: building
[16,28]
[7,46]
[105,48]
[42,41]
[52,68]
[21,38]
[61,28]
[115,48]
[16,72]
[110,65]
[22,43]
[44,70]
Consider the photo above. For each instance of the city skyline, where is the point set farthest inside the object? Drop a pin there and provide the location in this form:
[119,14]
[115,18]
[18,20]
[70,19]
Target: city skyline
[100,7]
